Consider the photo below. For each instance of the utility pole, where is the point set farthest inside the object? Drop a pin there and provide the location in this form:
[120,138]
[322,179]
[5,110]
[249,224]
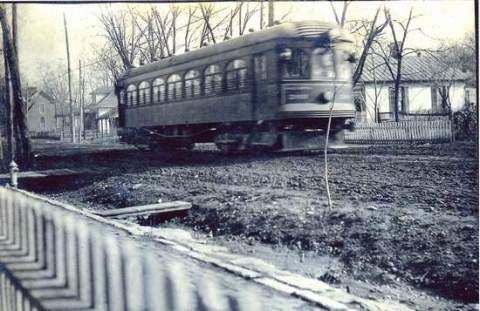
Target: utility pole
[81,91]
[270,13]
[261,14]
[72,112]
[9,105]
[15,30]
[8,91]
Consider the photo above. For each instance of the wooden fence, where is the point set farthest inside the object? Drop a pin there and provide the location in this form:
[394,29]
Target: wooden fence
[93,136]
[436,131]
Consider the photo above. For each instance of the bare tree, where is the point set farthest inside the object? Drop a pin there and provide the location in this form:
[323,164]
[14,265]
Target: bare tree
[394,54]
[368,29]
[161,31]
[107,66]
[340,19]
[378,87]
[122,34]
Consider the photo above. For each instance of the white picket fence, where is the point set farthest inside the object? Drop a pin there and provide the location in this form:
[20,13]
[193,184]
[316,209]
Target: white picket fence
[435,131]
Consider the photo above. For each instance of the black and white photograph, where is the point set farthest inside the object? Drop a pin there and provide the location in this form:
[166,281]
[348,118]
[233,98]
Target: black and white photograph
[239,155]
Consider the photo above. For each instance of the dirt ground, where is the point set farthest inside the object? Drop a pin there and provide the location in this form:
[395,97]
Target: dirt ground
[404,220]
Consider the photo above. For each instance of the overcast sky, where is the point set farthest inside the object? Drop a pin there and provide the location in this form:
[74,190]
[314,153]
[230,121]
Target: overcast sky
[42,34]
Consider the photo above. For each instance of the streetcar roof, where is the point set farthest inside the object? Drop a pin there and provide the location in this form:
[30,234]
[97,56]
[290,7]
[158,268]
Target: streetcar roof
[305,29]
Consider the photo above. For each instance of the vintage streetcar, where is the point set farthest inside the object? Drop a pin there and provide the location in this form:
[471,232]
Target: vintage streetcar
[270,89]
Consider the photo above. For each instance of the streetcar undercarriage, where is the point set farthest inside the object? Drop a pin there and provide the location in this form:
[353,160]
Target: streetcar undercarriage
[284,135]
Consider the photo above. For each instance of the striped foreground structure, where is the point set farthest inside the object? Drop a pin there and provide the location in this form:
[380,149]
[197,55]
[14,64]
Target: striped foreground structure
[436,131]
[53,258]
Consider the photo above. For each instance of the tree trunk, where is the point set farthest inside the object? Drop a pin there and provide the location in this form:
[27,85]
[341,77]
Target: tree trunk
[9,114]
[23,146]
[271,13]
[397,88]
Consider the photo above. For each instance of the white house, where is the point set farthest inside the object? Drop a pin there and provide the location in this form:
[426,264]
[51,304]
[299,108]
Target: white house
[104,104]
[428,89]
[40,108]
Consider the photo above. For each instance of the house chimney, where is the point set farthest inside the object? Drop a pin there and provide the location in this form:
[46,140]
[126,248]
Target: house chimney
[393,50]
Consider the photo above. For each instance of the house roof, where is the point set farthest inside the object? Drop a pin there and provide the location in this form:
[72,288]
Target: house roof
[102,90]
[31,91]
[108,101]
[414,68]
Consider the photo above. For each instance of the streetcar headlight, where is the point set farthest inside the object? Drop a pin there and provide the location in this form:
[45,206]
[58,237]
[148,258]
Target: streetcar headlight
[325,97]
[352,58]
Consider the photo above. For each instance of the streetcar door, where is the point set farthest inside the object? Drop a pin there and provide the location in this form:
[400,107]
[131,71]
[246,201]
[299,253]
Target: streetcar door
[259,82]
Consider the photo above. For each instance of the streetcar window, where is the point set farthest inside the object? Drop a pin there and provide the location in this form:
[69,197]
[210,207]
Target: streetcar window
[294,63]
[158,90]
[121,96]
[174,87]
[132,95]
[144,93]
[322,64]
[260,65]
[344,66]
[192,84]
[213,80]
[236,74]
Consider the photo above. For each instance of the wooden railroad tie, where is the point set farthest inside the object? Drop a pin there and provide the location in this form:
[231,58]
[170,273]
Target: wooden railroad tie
[146,210]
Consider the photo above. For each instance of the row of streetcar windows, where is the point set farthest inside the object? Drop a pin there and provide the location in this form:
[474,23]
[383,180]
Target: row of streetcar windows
[294,63]
[176,88]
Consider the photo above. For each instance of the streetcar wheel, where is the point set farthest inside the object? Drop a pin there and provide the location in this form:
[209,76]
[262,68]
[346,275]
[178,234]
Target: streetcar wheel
[141,147]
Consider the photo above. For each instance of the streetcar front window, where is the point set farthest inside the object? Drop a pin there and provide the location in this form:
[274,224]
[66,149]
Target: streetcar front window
[294,63]
[322,64]
[344,66]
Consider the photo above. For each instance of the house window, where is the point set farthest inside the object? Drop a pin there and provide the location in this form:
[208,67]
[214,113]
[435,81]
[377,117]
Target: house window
[158,90]
[391,99]
[192,84]
[260,65]
[404,104]
[213,80]
[444,96]
[434,99]
[236,74]
[174,86]
[440,99]
[42,123]
[41,107]
[144,93]
[132,95]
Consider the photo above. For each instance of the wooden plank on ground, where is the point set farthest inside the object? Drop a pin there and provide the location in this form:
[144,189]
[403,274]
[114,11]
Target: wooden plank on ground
[151,209]
[47,173]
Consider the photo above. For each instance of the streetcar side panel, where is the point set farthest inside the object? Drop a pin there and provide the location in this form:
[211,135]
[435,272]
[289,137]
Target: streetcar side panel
[230,108]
